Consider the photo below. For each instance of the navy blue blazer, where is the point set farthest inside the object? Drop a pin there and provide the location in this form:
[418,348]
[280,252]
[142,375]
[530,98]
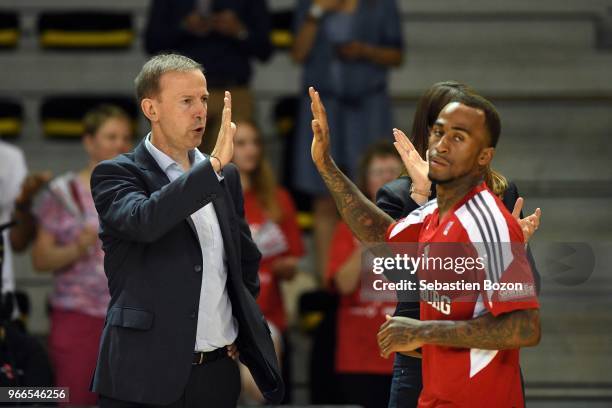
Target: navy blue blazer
[153,262]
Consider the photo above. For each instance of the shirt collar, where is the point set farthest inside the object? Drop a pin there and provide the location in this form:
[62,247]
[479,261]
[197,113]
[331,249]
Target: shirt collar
[164,161]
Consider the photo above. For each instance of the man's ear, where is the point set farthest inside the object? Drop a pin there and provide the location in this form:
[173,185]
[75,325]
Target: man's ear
[486,156]
[149,109]
[87,141]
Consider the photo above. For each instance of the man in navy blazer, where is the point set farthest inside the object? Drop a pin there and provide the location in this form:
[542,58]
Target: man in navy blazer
[180,261]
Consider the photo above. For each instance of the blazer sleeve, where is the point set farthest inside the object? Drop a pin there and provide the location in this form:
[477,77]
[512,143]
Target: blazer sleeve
[394,198]
[510,196]
[125,205]
[250,255]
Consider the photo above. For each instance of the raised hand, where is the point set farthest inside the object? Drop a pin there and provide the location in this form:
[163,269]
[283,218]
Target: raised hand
[415,165]
[224,149]
[320,129]
[529,224]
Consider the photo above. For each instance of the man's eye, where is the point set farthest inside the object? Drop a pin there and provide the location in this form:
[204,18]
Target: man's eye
[458,138]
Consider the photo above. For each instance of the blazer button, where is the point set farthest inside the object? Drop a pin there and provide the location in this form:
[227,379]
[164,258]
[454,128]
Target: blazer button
[197,268]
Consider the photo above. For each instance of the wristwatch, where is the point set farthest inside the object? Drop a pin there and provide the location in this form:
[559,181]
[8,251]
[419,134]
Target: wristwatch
[316,11]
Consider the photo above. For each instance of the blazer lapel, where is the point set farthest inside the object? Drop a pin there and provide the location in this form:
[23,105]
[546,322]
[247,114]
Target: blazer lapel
[157,177]
[146,162]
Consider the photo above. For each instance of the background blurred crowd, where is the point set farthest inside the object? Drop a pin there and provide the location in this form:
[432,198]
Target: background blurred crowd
[346,49]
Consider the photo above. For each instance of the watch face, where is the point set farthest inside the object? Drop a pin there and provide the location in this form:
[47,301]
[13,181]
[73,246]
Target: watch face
[316,11]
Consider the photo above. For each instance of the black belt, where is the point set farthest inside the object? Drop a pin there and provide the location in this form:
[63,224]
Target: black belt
[203,357]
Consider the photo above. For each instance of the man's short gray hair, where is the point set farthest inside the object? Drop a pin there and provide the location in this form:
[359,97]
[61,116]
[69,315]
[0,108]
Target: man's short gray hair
[147,81]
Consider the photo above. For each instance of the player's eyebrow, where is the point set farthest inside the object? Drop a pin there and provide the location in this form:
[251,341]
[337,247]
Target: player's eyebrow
[461,129]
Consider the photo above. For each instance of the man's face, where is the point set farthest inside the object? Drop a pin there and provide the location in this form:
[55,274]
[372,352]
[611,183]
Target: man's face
[458,141]
[181,107]
[112,138]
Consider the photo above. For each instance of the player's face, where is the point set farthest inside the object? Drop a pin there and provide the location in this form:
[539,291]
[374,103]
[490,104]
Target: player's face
[111,139]
[247,150]
[181,106]
[456,143]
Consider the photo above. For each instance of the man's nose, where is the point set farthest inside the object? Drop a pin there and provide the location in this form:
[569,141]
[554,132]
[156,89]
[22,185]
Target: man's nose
[442,145]
[201,110]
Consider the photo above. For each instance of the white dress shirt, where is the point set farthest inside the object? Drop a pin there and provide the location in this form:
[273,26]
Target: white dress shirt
[217,327]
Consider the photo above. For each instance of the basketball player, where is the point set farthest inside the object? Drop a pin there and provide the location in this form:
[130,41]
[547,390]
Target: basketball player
[470,348]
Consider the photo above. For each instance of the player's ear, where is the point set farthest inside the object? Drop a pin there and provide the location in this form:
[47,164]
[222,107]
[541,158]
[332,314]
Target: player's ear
[486,156]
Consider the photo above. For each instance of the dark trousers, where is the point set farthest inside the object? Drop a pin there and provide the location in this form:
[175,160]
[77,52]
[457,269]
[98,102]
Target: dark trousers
[407,383]
[215,384]
[366,390]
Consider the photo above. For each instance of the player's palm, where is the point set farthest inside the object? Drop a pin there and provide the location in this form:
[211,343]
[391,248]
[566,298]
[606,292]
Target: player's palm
[319,149]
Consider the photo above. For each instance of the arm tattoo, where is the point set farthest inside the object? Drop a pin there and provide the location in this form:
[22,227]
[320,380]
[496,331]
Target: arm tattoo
[366,221]
[520,328]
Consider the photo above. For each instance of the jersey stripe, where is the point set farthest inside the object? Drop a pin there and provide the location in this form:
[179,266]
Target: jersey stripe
[498,248]
[486,225]
[415,217]
[483,240]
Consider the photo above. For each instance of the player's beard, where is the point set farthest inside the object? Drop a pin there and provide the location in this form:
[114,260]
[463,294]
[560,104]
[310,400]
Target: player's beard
[447,180]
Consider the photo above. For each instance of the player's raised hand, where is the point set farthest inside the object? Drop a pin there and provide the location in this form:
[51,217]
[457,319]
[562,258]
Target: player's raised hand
[319,149]
[224,149]
[529,224]
[415,165]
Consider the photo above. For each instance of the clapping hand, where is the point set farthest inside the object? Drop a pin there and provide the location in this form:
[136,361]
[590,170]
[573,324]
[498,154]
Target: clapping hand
[415,165]
[529,224]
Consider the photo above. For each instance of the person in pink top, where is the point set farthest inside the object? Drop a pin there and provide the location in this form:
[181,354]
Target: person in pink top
[67,244]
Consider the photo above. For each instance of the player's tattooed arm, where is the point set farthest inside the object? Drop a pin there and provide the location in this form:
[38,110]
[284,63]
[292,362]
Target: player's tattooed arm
[364,218]
[519,328]
[366,221]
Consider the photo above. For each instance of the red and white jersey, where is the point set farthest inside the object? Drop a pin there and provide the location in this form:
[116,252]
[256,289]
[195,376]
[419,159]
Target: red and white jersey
[478,226]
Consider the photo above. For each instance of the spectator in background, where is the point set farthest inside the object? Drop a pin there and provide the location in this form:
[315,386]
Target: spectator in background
[364,377]
[67,244]
[17,190]
[346,48]
[222,35]
[272,218]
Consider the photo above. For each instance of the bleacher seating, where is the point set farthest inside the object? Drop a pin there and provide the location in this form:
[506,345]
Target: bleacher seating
[61,116]
[11,118]
[546,64]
